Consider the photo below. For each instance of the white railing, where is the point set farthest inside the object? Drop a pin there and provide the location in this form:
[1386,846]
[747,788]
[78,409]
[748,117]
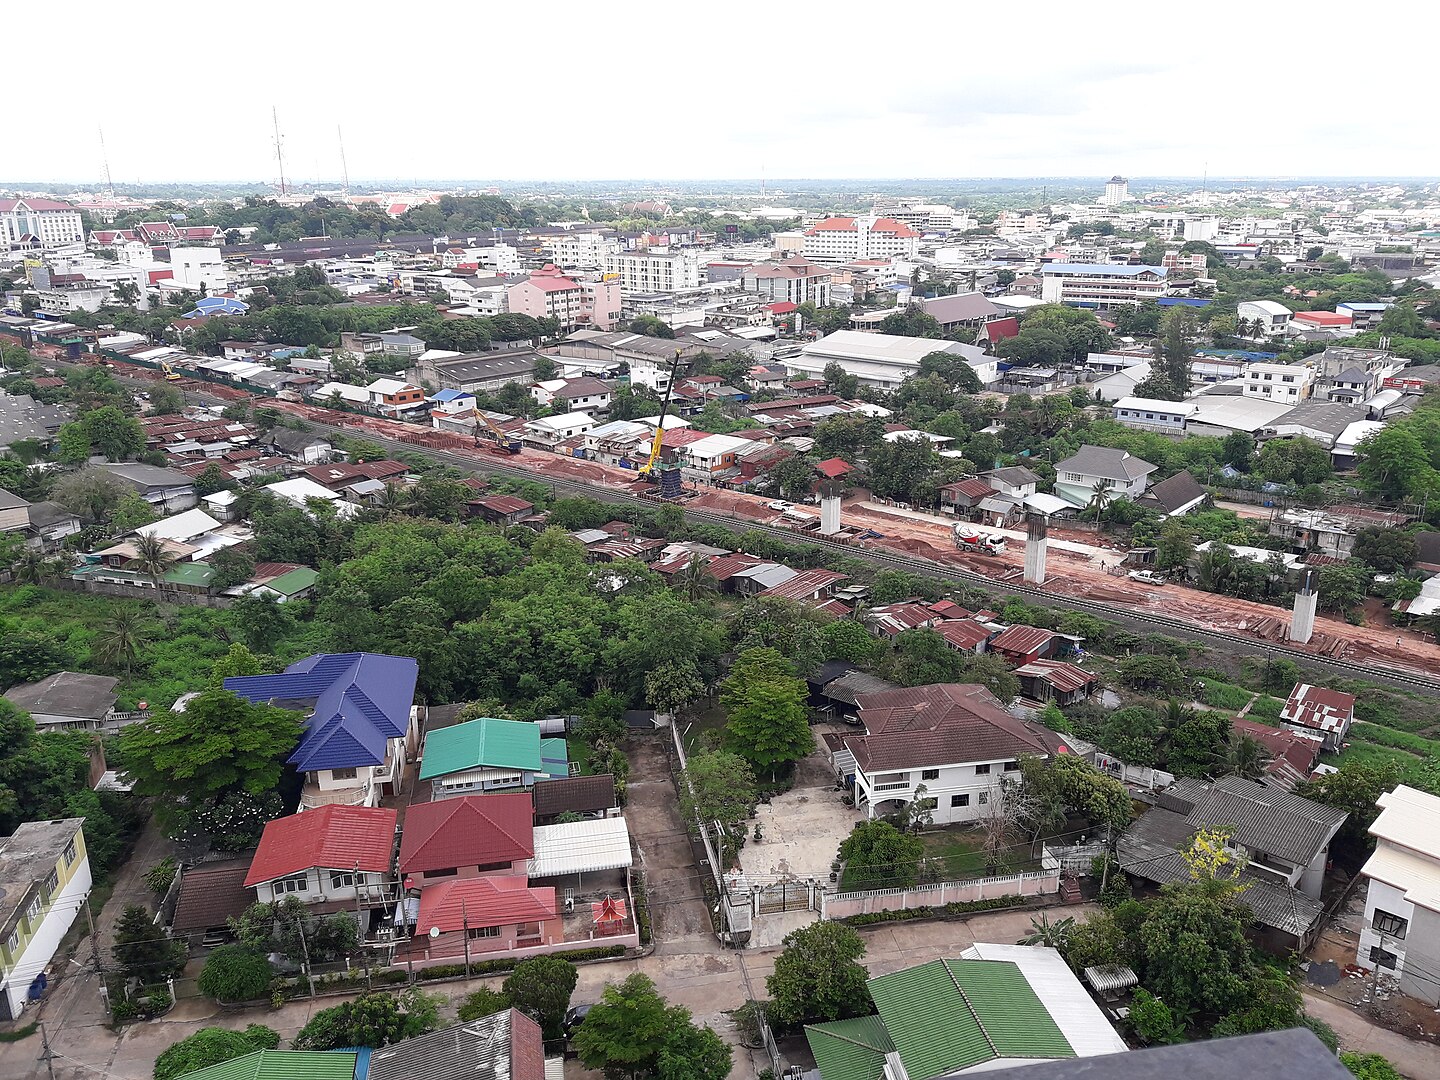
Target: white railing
[314,798]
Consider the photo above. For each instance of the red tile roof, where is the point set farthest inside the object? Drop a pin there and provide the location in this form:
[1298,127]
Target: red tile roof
[971,487]
[1000,329]
[1292,756]
[805,584]
[330,837]
[727,566]
[1067,678]
[783,307]
[469,831]
[847,224]
[484,901]
[948,609]
[503,504]
[833,467]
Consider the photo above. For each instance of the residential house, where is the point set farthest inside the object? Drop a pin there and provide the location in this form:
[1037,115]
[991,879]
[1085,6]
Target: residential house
[1021,644]
[584,394]
[395,398]
[506,1045]
[487,755]
[475,916]
[209,896]
[1401,933]
[1054,680]
[1175,496]
[167,490]
[299,490]
[960,311]
[1328,533]
[1015,481]
[44,880]
[585,796]
[1320,714]
[1293,1054]
[340,476]
[549,431]
[1119,473]
[712,455]
[1273,318]
[359,728]
[954,740]
[1292,757]
[1283,841]
[1284,383]
[306,447]
[67,701]
[965,635]
[1152,414]
[468,836]
[23,419]
[330,858]
[1354,385]
[501,509]
[992,1008]
[963,497]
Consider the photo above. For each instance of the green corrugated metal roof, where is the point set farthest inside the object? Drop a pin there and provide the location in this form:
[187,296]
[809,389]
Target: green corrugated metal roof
[850,1049]
[496,744]
[555,757]
[953,1014]
[282,1065]
[190,573]
[297,580]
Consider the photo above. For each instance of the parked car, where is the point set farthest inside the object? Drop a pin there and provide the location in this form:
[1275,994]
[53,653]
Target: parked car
[1149,577]
[779,506]
[575,1017]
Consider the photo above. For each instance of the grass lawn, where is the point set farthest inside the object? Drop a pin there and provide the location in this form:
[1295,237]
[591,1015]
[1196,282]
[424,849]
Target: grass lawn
[1221,695]
[579,753]
[955,851]
[700,720]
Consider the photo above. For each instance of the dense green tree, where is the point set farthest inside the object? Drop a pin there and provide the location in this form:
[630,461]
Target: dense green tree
[29,655]
[481,1003]
[765,710]
[850,640]
[877,855]
[902,469]
[1297,461]
[1386,550]
[718,786]
[922,657]
[90,494]
[540,987]
[142,951]
[371,1020]
[211,1046]
[131,512]
[231,566]
[819,976]
[236,973]
[1353,787]
[1395,462]
[1367,1066]
[631,1032]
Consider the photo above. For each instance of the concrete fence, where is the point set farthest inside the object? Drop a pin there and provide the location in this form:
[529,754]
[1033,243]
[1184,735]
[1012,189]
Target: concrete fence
[131,592]
[1030,883]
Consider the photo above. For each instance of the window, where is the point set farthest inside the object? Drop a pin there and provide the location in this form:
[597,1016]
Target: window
[476,932]
[1389,925]
[299,883]
[1011,766]
[52,882]
[982,770]
[984,798]
[449,871]
[339,880]
[13,943]
[70,853]
[342,774]
[1383,958]
[929,774]
[959,800]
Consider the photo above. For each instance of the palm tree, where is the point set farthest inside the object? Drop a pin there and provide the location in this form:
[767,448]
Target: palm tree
[1053,935]
[1248,757]
[696,578]
[1100,498]
[395,500]
[120,640]
[152,557]
[31,568]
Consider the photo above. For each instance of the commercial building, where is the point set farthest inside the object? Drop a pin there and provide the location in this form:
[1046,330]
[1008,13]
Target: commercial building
[844,239]
[26,224]
[1150,414]
[794,280]
[475,372]
[1101,285]
[581,250]
[1117,191]
[572,302]
[1273,317]
[654,271]
[199,268]
[883,361]
[1288,383]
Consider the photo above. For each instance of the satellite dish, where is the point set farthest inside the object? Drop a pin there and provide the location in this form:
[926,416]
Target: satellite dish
[434,931]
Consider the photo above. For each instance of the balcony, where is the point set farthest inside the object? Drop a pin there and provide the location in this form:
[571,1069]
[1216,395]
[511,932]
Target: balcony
[312,798]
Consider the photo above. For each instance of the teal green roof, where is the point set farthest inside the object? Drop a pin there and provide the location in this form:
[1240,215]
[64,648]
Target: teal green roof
[297,580]
[190,573]
[850,1049]
[953,1014]
[484,743]
[555,757]
[282,1065]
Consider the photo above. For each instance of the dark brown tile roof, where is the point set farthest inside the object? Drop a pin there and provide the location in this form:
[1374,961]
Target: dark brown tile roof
[941,724]
[210,894]
[575,794]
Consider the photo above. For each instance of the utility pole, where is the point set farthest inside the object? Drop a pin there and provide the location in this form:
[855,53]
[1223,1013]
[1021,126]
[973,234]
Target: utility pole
[46,1054]
[465,922]
[305,954]
[360,922]
[94,937]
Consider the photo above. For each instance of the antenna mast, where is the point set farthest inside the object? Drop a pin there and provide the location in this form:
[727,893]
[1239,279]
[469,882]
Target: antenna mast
[105,157]
[279,157]
[344,168]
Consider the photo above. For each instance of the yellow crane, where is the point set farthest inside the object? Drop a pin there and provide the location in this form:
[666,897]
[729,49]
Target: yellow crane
[657,444]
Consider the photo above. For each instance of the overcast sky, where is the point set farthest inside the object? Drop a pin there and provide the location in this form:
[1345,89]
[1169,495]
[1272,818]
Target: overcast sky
[562,90]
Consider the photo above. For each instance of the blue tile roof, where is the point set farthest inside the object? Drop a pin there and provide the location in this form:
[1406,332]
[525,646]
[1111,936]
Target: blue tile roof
[358,700]
[450,395]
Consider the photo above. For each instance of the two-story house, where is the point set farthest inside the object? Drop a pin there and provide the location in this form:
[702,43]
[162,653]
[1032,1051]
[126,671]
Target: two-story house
[550,431]
[329,858]
[1015,481]
[395,397]
[1119,473]
[584,394]
[487,755]
[356,733]
[954,740]
[44,879]
[469,836]
[1318,713]
[1401,934]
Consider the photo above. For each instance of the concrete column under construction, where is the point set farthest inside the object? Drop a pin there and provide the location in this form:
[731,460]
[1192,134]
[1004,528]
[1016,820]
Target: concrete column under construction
[829,509]
[1036,541]
[1302,622]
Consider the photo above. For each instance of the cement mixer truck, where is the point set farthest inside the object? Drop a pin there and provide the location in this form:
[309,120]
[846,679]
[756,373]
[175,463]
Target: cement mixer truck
[969,538]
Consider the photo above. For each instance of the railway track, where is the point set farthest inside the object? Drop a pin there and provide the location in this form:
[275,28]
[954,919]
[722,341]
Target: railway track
[915,564]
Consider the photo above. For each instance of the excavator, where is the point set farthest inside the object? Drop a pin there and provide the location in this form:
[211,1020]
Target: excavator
[171,375]
[503,442]
[657,444]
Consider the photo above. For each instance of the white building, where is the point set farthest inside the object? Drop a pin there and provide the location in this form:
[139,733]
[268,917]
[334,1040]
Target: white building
[793,280]
[549,430]
[1272,316]
[39,223]
[1123,475]
[581,250]
[883,361]
[1100,285]
[1117,191]
[844,239]
[655,271]
[44,880]
[1287,383]
[199,268]
[1401,934]
[1150,414]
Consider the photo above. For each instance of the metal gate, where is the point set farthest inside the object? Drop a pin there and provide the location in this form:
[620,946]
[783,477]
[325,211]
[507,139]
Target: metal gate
[783,896]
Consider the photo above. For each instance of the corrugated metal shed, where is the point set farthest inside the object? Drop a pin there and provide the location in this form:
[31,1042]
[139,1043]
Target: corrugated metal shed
[579,847]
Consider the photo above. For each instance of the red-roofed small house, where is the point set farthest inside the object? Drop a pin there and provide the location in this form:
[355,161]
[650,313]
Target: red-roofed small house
[471,836]
[1054,680]
[327,857]
[1021,644]
[834,468]
[965,635]
[1320,714]
[482,916]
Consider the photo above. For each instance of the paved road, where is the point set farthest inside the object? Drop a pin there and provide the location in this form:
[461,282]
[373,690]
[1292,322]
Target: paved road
[1414,1059]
